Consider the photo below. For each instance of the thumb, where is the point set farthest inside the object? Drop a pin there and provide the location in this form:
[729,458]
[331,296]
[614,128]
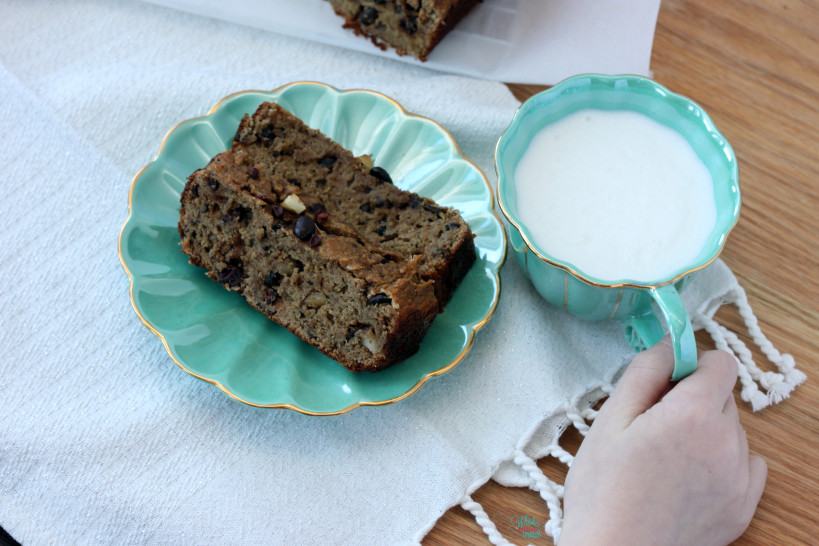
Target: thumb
[645,381]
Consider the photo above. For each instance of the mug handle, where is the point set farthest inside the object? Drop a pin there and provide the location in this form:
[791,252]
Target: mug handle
[646,330]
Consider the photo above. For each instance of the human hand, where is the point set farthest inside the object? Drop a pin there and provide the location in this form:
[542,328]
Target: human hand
[665,463]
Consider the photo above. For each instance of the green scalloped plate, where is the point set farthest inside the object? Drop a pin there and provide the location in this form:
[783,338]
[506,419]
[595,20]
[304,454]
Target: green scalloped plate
[214,335]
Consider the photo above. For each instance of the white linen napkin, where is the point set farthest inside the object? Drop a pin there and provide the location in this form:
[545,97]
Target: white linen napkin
[103,440]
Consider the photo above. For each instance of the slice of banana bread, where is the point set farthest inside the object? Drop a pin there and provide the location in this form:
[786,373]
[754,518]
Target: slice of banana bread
[412,27]
[291,157]
[322,243]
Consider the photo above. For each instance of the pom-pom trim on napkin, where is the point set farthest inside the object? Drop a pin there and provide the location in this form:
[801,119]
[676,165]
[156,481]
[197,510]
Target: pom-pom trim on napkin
[579,411]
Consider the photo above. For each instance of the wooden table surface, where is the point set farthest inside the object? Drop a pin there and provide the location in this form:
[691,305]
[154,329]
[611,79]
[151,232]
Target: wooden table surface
[754,66]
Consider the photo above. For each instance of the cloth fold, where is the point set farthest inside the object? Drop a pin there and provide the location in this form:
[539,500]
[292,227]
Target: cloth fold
[104,440]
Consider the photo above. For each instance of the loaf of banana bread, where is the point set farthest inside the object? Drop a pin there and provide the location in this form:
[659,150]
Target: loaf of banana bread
[322,242]
[412,27]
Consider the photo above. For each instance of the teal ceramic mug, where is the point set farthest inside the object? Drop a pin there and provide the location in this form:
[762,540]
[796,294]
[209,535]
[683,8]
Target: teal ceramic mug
[641,305]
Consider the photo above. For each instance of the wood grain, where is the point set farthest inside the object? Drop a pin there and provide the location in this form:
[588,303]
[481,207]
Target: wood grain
[754,66]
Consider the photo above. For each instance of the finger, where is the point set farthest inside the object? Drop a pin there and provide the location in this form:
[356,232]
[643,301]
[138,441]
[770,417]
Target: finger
[713,380]
[741,437]
[644,382]
[758,475]
[729,409]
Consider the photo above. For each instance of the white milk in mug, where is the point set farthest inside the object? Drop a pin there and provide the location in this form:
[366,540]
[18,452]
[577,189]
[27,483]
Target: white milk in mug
[616,195]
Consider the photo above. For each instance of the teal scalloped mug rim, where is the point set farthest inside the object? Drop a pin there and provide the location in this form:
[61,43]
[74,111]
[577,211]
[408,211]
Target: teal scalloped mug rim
[622,92]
